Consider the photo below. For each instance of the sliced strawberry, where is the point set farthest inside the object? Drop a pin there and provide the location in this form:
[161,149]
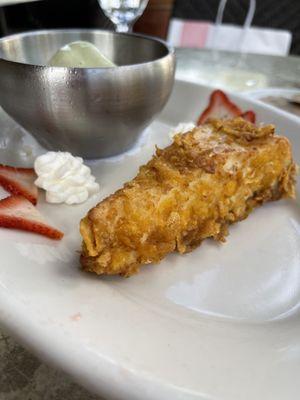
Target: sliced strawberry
[249,116]
[219,107]
[19,181]
[18,213]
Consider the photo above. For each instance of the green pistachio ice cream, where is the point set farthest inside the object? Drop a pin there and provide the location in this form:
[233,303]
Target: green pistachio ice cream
[80,54]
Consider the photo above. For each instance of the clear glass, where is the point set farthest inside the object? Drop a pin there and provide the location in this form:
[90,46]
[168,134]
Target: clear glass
[123,13]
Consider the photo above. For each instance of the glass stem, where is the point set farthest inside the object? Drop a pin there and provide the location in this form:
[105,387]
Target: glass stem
[123,27]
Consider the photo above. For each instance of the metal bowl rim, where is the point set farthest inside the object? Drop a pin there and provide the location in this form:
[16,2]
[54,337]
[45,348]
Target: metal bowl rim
[170,49]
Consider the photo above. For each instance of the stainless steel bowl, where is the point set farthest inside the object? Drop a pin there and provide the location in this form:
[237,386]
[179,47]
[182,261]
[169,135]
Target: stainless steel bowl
[92,112]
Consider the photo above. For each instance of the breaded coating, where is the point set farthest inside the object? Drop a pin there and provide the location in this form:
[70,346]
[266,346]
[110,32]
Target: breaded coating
[205,180]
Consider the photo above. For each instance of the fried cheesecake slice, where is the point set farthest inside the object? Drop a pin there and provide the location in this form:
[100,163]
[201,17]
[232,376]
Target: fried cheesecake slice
[205,180]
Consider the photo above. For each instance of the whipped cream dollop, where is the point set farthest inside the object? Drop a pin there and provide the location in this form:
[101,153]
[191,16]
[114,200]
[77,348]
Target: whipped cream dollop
[183,127]
[64,178]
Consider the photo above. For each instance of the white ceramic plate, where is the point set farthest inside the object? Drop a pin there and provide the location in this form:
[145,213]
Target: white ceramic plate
[221,322]
[265,92]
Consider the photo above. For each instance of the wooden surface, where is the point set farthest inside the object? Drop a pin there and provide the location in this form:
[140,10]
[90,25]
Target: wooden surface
[155,20]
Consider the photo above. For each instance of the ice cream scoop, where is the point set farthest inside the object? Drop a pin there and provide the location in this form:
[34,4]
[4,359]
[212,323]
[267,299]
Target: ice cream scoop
[80,54]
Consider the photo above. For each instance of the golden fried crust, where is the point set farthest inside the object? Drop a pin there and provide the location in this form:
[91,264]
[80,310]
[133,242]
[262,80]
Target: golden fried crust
[207,179]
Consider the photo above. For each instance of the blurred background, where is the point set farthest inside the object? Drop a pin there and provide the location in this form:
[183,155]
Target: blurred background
[20,15]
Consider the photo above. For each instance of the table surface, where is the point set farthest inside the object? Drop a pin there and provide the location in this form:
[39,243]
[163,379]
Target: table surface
[235,71]
[22,375]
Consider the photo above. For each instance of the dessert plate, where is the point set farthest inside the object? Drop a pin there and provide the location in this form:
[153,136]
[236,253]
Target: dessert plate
[220,323]
[270,91]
